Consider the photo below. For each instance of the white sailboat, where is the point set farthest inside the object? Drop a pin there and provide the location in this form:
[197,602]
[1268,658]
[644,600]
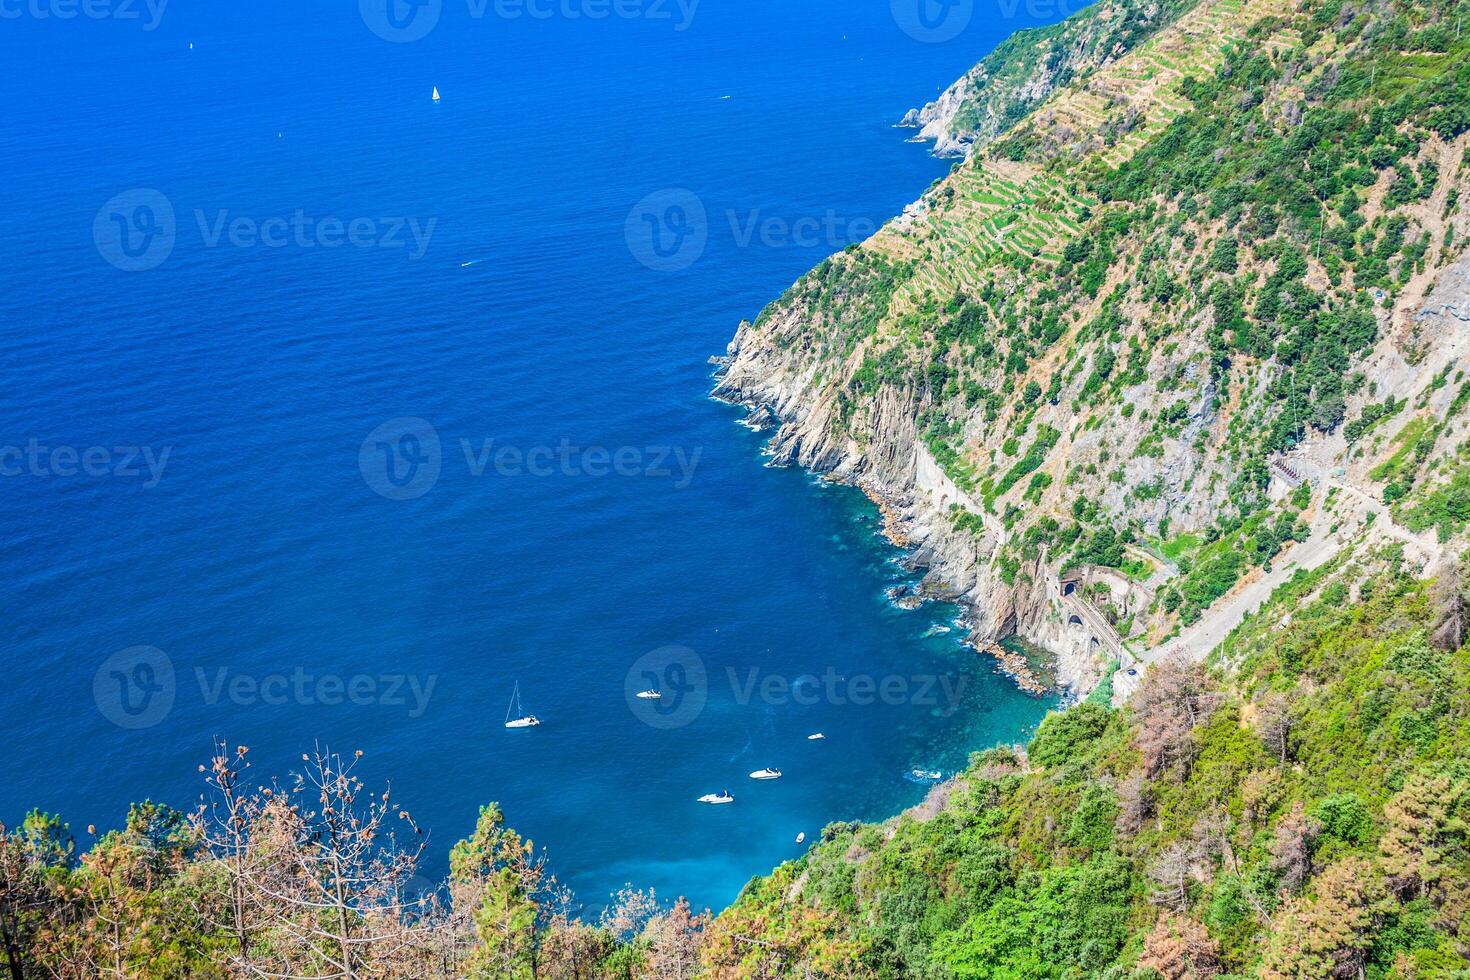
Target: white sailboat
[520,719]
[435,96]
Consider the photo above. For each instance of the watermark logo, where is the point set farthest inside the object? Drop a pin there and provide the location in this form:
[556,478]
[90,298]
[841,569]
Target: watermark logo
[400,21]
[308,689]
[569,459]
[668,230]
[942,693]
[933,21]
[135,688]
[301,230]
[401,459]
[667,687]
[135,230]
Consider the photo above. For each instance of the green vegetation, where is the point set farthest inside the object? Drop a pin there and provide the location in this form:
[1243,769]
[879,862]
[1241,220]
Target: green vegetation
[1002,89]
[1046,439]
[1301,810]
[1185,258]
[1174,272]
[1230,549]
[1301,816]
[1443,505]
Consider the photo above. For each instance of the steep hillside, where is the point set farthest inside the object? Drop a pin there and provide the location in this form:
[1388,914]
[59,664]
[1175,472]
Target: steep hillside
[1301,815]
[1166,376]
[1029,66]
[1190,323]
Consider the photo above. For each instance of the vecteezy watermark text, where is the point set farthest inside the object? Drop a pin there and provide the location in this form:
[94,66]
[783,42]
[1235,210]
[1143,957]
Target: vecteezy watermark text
[305,688]
[403,21]
[303,231]
[942,691]
[938,21]
[148,12]
[568,459]
[670,229]
[403,458]
[136,688]
[137,230]
[679,13]
[669,687]
[125,462]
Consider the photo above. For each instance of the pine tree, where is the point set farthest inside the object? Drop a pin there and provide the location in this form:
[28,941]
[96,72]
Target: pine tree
[1179,948]
[1327,937]
[1421,828]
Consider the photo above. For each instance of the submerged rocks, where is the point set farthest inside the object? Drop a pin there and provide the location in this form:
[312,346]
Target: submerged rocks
[1018,668]
[905,596]
[761,418]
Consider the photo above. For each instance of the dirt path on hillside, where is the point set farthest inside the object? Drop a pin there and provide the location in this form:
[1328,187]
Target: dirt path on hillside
[1199,640]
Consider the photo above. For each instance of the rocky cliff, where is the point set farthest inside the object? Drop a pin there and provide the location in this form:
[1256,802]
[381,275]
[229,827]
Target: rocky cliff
[1025,69]
[1192,307]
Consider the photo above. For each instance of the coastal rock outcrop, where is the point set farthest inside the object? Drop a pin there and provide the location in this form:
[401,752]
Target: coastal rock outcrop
[1108,398]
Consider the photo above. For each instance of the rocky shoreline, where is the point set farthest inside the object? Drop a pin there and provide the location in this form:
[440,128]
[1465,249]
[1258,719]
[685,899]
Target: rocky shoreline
[955,566]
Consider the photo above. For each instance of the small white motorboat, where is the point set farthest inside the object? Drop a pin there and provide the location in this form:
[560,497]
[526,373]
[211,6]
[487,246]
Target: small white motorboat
[930,774]
[766,774]
[520,719]
[815,737]
[801,837]
[650,695]
[723,796]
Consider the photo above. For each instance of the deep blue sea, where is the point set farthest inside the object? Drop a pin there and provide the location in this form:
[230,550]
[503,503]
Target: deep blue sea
[329,414]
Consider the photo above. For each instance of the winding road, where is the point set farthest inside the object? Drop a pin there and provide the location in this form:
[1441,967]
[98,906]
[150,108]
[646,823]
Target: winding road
[1225,615]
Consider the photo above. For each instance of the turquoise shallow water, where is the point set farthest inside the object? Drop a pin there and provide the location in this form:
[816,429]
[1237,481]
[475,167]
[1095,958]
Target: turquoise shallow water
[346,255]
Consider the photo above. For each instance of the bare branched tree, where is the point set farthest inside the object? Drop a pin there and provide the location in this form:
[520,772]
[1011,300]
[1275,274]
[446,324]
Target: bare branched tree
[1291,848]
[1176,696]
[1450,607]
[674,940]
[1277,727]
[630,911]
[319,881]
[1135,803]
[1180,948]
[1213,830]
[1171,872]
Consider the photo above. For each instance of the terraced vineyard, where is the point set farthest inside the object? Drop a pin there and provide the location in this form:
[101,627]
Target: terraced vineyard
[993,211]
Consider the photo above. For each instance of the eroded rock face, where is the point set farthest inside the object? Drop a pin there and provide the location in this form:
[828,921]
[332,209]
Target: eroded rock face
[891,464]
[936,122]
[1007,337]
[1448,301]
[916,497]
[990,98]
